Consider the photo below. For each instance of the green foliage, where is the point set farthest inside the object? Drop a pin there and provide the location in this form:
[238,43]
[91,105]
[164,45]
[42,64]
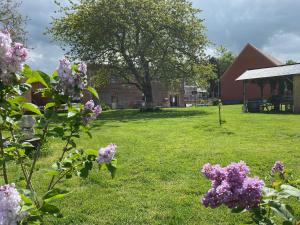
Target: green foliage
[220,63]
[290,62]
[140,41]
[26,154]
[273,206]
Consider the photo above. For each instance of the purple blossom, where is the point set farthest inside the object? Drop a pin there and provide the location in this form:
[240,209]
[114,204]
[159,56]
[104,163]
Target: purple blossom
[64,69]
[5,43]
[236,173]
[70,83]
[211,199]
[251,193]
[10,208]
[82,68]
[231,186]
[91,112]
[106,155]
[12,58]
[89,105]
[278,167]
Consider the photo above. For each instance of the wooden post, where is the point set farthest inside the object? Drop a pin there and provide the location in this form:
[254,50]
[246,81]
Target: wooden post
[244,96]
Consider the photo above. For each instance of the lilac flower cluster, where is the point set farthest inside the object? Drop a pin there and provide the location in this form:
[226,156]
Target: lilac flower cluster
[71,82]
[232,187]
[12,57]
[278,167]
[10,201]
[106,155]
[91,112]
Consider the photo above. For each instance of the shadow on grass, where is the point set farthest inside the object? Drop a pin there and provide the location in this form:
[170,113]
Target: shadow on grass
[135,115]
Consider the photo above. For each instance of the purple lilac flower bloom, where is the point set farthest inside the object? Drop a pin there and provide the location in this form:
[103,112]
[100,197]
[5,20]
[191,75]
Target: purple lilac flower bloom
[251,192]
[236,173]
[71,83]
[82,68]
[5,43]
[91,112]
[106,155]
[278,167]
[12,57]
[231,186]
[211,199]
[10,201]
[89,105]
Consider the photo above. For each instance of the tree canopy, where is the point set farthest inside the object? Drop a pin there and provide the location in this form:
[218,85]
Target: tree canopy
[221,61]
[12,20]
[141,41]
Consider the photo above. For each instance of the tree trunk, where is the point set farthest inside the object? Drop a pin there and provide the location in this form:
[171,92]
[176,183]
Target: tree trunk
[148,96]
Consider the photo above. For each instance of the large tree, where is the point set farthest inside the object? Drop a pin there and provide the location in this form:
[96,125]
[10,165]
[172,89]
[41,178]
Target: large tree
[12,20]
[140,40]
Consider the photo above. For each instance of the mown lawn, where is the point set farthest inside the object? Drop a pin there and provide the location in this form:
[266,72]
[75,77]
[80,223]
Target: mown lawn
[159,158]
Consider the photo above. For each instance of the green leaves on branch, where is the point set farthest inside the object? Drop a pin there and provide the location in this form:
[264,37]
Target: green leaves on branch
[93,92]
[32,108]
[54,194]
[36,76]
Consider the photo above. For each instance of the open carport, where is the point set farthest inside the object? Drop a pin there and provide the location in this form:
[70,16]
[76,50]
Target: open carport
[284,82]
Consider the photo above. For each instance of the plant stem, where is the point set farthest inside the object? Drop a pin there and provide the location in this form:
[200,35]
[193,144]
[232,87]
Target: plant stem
[36,155]
[2,156]
[65,149]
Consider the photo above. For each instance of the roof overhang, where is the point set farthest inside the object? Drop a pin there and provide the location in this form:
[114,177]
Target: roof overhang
[277,71]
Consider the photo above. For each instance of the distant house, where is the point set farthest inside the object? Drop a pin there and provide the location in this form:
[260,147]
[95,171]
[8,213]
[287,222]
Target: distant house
[118,94]
[249,58]
[192,94]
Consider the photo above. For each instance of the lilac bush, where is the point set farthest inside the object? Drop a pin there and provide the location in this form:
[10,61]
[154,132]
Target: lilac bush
[64,91]
[231,186]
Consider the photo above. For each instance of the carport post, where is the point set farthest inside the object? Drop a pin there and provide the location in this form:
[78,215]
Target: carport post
[244,96]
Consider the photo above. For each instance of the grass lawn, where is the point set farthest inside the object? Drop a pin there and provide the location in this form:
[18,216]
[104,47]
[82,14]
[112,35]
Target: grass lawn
[159,158]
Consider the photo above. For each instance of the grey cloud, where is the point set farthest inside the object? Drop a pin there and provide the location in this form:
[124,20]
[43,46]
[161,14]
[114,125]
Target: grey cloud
[233,23]
[44,53]
[272,25]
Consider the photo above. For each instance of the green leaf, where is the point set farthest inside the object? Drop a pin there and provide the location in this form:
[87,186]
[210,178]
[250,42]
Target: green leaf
[32,108]
[54,194]
[238,210]
[49,105]
[287,223]
[93,91]
[112,167]
[36,76]
[269,192]
[91,152]
[51,209]
[290,191]
[281,210]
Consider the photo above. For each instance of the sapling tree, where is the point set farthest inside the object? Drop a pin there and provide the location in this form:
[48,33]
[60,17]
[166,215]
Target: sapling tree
[20,203]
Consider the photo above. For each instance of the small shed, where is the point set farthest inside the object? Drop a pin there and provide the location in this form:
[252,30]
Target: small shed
[285,88]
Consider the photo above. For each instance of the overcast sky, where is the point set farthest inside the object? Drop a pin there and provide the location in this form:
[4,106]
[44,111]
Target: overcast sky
[271,25]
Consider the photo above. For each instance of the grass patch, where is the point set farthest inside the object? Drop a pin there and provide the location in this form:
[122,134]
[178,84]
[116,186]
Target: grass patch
[160,154]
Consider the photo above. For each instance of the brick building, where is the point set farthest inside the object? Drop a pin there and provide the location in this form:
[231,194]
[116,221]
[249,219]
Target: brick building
[249,58]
